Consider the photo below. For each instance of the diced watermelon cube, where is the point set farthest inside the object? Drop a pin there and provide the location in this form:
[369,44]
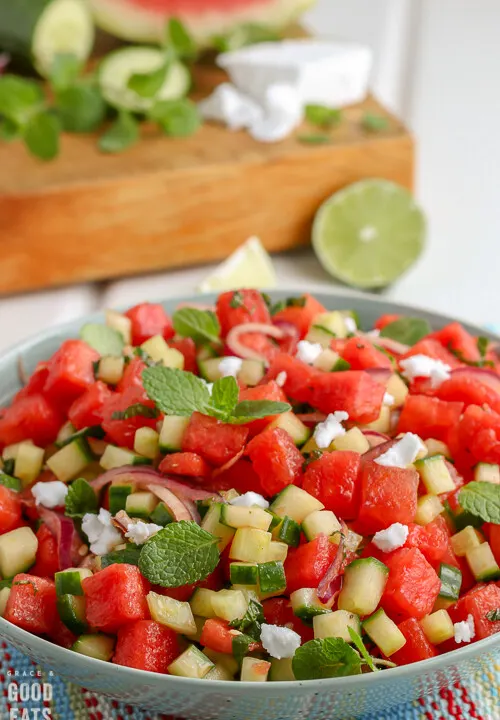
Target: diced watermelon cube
[432,348]
[31,418]
[417,645]
[361,355]
[238,308]
[388,495]
[71,372]
[276,460]
[146,645]
[32,604]
[471,388]
[149,319]
[412,586]
[115,596]
[278,611]
[47,556]
[10,510]
[122,432]
[455,337]
[432,540]
[429,417]
[214,440]
[87,410]
[187,347]
[269,391]
[185,463]
[301,315]
[306,565]
[354,391]
[334,480]
[241,477]
[298,376]
[478,602]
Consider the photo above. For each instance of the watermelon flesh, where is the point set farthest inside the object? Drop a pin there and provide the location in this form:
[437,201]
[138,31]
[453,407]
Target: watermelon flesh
[144,20]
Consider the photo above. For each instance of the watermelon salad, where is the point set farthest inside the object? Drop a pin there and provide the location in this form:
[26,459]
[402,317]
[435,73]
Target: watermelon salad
[255,491]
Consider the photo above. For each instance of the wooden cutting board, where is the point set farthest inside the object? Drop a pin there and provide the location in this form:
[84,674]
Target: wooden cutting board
[173,202]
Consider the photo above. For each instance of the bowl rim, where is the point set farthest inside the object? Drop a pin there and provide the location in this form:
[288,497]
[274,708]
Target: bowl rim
[352,682]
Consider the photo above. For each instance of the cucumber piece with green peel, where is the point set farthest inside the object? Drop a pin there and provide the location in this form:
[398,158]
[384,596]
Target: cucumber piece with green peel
[172,432]
[320,335]
[69,582]
[118,67]
[100,647]
[192,663]
[438,627]
[161,515]
[271,577]
[141,504]
[336,624]
[435,475]
[118,495]
[172,613]
[482,563]
[229,604]
[277,552]
[286,530]
[281,670]
[384,632]
[114,457]
[487,472]
[320,522]
[364,583]
[242,573]
[71,609]
[239,517]
[212,523]
[451,582]
[71,459]
[288,421]
[306,604]
[296,503]
[17,551]
[36,31]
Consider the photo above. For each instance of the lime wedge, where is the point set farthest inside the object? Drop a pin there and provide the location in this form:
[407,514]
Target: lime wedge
[249,266]
[369,233]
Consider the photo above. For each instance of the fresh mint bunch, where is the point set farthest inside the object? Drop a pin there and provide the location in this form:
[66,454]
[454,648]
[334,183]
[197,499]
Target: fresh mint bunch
[325,658]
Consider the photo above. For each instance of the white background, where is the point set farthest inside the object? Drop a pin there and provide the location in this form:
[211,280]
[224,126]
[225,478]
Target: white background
[438,66]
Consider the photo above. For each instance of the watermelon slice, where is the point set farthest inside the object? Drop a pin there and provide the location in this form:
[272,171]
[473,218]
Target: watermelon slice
[144,20]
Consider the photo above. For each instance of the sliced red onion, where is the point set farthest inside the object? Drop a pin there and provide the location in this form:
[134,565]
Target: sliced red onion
[488,377]
[239,350]
[375,438]
[380,375]
[291,331]
[229,463]
[312,417]
[177,506]
[68,540]
[331,582]
[121,521]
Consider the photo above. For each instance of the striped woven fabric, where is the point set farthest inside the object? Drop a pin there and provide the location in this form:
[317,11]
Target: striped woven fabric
[479,698]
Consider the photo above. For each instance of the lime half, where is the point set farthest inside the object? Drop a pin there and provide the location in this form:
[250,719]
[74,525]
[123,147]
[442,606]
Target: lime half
[369,233]
[249,266]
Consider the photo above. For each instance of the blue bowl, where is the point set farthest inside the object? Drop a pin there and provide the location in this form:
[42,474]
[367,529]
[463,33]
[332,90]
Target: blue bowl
[333,699]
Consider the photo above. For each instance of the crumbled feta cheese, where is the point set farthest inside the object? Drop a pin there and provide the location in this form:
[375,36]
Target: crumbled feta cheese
[231,107]
[464,631]
[102,534]
[403,453]
[230,366]
[280,642]
[391,538]
[50,494]
[421,366]
[283,112]
[281,378]
[350,324]
[140,531]
[325,432]
[308,352]
[248,499]
[388,399]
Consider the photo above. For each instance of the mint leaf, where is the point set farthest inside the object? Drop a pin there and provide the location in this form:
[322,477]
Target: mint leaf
[10,482]
[8,466]
[326,658]
[225,395]
[237,300]
[251,622]
[9,130]
[200,325]
[241,645]
[80,499]
[482,346]
[176,392]
[322,115]
[362,649]
[180,554]
[314,139]
[137,410]
[249,410]
[374,123]
[482,499]
[178,38]
[177,118]
[493,615]
[19,98]
[80,107]
[149,84]
[102,338]
[41,135]
[122,134]
[406,330]
[64,70]
[129,555]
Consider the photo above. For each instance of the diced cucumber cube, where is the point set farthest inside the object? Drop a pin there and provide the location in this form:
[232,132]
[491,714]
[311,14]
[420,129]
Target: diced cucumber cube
[120,323]
[10,452]
[209,369]
[428,508]
[353,440]
[435,475]
[70,460]
[383,423]
[364,583]
[17,551]
[465,540]
[10,482]
[66,431]
[451,582]
[286,530]
[250,545]
[241,573]
[251,372]
[146,442]
[71,609]
[398,389]
[228,662]
[271,577]
[436,447]
[118,495]
[100,647]
[482,563]
[110,369]
[218,672]
[320,336]
[320,522]
[212,524]
[191,663]
[438,627]
[141,504]
[336,624]
[199,622]
[332,321]
[288,421]
[161,515]
[240,517]
[172,613]
[229,604]
[384,632]
[69,582]
[114,457]
[254,670]
[329,361]
[171,433]
[278,551]
[352,540]
[201,602]
[487,472]
[4,597]
[296,503]
[306,604]
[158,350]
[281,670]
[28,464]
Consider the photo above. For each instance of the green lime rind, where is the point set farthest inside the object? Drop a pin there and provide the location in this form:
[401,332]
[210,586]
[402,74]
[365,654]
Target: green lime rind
[369,233]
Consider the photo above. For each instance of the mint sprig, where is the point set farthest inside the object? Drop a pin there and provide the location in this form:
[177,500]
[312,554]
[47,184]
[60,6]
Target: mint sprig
[137,410]
[200,325]
[358,642]
[325,658]
[406,330]
[177,118]
[481,499]
[179,40]
[149,84]
[180,554]
[102,338]
[81,499]
[121,135]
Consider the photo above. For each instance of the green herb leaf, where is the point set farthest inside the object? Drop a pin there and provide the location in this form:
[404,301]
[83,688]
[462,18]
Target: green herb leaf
[9,130]
[129,555]
[322,115]
[201,325]
[41,135]
[482,346]
[246,34]
[178,38]
[326,658]
[248,410]
[482,499]
[177,118]
[149,84]
[80,499]
[121,135]
[180,554]
[251,622]
[312,457]
[357,640]
[240,646]
[80,107]
[225,395]
[289,302]
[64,70]
[8,466]
[10,482]
[20,98]
[176,392]
[237,300]
[106,340]
[94,431]
[374,123]
[472,363]
[493,615]
[406,330]
[137,410]
[314,139]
